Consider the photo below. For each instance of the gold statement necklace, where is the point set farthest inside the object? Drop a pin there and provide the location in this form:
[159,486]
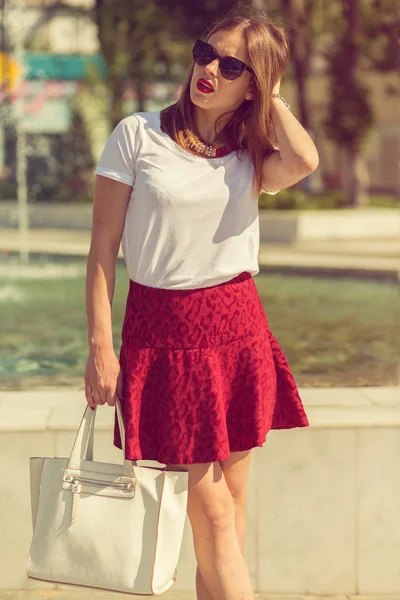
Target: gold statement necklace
[208,150]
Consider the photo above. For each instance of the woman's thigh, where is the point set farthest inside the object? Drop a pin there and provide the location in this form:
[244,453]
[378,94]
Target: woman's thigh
[236,472]
[210,502]
[216,489]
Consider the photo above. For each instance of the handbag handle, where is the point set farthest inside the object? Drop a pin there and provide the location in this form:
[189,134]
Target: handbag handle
[82,448]
[90,445]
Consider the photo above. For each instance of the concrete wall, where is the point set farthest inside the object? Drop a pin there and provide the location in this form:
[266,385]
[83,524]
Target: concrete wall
[323,502]
[290,226]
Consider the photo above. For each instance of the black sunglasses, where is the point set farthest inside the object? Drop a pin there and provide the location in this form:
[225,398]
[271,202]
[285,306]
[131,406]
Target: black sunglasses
[229,66]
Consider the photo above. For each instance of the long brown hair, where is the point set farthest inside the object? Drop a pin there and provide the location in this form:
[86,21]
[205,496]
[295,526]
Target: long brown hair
[250,124]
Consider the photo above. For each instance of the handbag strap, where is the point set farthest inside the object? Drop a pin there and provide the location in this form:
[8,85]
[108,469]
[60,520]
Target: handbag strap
[82,448]
[90,446]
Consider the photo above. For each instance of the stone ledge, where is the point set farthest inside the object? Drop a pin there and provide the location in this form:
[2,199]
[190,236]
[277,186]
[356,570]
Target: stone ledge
[62,409]
[291,225]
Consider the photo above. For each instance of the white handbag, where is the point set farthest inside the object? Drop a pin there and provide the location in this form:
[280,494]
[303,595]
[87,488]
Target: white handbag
[107,526]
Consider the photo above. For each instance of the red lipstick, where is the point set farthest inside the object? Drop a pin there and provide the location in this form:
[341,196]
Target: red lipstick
[204,86]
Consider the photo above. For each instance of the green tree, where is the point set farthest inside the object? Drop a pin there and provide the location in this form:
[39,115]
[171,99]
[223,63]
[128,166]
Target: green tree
[381,28]
[349,118]
[136,35]
[354,37]
[132,40]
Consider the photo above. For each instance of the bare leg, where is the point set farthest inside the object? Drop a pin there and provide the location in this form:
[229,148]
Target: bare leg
[236,472]
[211,511]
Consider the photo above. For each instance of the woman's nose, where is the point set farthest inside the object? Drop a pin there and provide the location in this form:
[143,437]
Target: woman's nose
[212,67]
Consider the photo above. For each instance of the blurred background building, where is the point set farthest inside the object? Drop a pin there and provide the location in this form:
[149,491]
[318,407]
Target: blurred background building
[65,98]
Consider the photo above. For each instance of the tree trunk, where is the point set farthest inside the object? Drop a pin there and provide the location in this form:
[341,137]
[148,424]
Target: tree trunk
[358,176]
[117,101]
[355,177]
[140,95]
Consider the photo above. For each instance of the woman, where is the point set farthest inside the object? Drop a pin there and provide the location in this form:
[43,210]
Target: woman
[200,376]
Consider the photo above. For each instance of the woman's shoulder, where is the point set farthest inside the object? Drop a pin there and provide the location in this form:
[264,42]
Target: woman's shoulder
[141,119]
[137,122]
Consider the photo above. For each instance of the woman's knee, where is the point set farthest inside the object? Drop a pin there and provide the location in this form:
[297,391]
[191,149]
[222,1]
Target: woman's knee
[210,504]
[211,507]
[216,515]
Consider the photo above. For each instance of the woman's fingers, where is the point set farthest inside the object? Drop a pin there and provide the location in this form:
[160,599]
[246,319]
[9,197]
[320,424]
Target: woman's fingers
[118,391]
[98,396]
[89,397]
[101,383]
[110,398]
[277,86]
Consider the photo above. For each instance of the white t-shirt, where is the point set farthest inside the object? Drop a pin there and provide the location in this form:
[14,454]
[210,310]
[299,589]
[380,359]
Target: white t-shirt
[191,222]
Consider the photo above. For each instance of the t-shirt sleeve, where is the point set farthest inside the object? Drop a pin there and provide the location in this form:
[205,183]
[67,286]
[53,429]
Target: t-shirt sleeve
[266,191]
[118,159]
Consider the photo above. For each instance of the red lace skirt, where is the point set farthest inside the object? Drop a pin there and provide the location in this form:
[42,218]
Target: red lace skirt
[203,375]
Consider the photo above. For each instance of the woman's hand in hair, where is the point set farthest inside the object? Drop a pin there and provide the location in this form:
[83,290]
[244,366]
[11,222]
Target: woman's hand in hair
[277,87]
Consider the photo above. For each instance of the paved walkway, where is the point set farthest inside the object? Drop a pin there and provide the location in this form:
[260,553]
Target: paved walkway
[49,594]
[380,257]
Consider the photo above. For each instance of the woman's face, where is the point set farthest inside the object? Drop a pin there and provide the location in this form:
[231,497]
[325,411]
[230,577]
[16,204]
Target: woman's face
[227,94]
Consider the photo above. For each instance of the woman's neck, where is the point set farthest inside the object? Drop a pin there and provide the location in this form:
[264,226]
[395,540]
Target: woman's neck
[206,127]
